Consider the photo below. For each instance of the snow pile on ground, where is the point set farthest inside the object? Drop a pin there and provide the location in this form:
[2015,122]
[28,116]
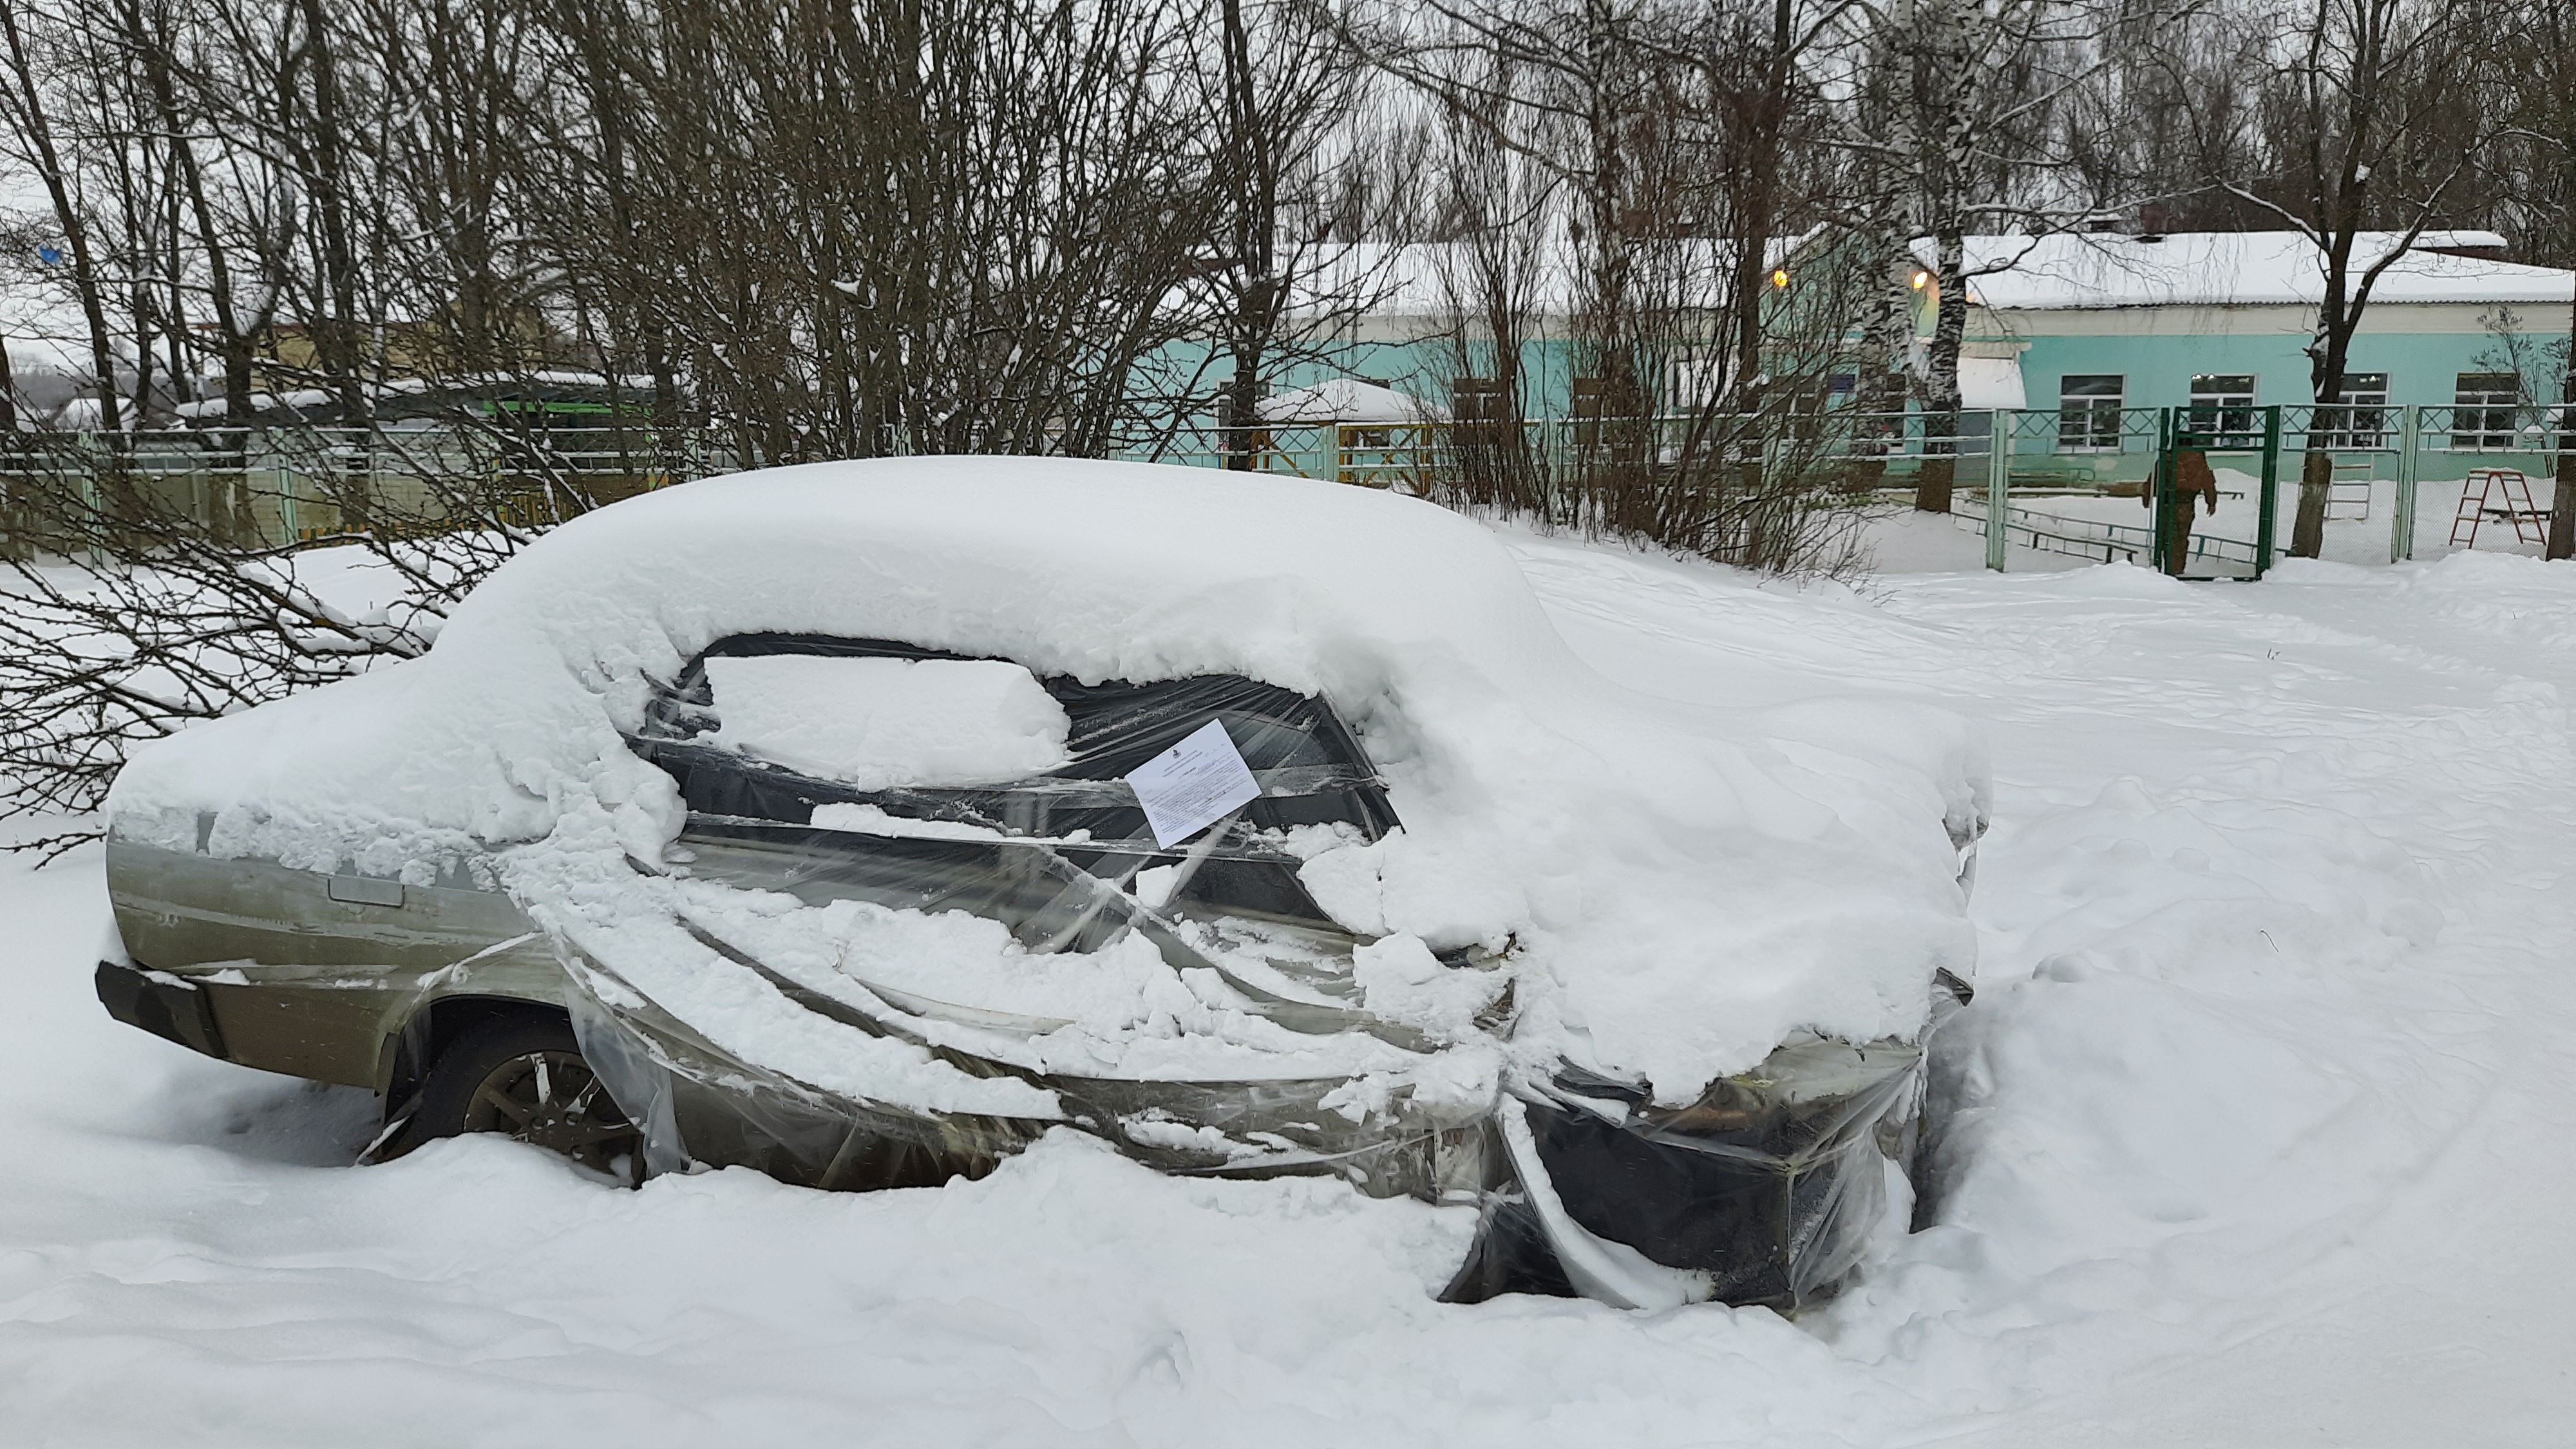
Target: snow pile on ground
[2260,1103]
[1679,886]
[2360,520]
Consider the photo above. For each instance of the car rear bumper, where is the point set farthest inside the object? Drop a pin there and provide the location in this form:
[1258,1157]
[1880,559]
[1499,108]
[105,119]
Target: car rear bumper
[162,1004]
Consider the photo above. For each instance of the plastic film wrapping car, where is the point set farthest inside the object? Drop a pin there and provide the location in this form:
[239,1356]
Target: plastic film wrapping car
[1762,1191]
[681,849]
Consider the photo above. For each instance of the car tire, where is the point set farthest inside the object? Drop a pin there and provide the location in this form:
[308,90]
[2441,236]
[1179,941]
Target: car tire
[524,1077]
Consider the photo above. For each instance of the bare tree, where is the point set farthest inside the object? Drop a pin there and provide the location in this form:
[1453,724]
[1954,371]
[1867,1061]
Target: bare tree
[2533,176]
[1490,265]
[1953,121]
[929,225]
[35,38]
[2175,74]
[1668,148]
[1288,270]
[2368,123]
[138,621]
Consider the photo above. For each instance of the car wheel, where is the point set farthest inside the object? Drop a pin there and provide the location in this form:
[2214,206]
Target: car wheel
[526,1079]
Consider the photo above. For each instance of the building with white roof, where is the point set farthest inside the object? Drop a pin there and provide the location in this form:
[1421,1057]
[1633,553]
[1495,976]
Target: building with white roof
[2084,324]
[2091,323]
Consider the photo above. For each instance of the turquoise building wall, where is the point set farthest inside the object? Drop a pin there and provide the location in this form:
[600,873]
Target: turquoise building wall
[2157,351]
[2422,367]
[1419,367]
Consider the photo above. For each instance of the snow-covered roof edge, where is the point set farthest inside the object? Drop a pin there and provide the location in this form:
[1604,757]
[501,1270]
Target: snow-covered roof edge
[2096,270]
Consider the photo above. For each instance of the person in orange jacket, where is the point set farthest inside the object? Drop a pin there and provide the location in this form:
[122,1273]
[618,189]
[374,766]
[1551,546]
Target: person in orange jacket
[2192,477]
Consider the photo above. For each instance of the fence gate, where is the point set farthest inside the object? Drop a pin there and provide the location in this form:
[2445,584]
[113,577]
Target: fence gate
[2194,445]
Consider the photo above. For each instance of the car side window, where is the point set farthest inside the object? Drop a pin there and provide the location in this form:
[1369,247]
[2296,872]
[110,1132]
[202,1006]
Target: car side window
[766,808]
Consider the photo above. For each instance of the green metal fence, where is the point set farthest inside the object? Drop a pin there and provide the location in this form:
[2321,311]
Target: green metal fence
[266,488]
[2080,481]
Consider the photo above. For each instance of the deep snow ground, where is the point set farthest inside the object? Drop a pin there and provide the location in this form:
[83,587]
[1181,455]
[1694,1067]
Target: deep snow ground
[2263,1141]
[1906,542]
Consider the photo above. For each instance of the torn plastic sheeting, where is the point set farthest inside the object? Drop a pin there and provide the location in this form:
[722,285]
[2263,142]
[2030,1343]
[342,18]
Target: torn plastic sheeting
[1612,1272]
[696,1103]
[1297,1105]
[1762,1190]
[1808,1098]
[978,806]
[1062,861]
[1053,904]
[1658,1220]
[1057,858]
[1770,1196]
[1310,767]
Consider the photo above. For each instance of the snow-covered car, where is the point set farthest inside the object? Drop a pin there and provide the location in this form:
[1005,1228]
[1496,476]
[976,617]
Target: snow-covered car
[862,823]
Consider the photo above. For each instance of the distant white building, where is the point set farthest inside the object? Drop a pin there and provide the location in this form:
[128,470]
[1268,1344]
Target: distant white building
[2089,324]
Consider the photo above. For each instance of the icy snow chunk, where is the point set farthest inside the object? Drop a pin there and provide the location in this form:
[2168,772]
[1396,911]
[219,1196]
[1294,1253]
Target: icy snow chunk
[874,723]
[1402,981]
[1155,1128]
[1346,882]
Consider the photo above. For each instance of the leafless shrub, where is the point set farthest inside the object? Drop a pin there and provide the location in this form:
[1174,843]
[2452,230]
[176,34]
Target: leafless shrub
[1623,182]
[144,588]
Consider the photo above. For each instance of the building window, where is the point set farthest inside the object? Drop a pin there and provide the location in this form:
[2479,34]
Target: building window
[1480,400]
[2484,406]
[2222,410]
[2088,411]
[2361,421]
[1589,403]
[1694,381]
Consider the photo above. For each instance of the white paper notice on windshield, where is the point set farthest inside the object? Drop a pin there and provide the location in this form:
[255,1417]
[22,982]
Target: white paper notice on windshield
[1193,785]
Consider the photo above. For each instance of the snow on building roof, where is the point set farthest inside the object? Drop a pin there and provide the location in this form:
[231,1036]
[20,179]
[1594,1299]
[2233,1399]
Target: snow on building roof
[1347,400]
[300,399]
[2073,271]
[1431,279]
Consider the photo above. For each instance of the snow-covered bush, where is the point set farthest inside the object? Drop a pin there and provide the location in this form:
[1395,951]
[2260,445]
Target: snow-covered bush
[138,600]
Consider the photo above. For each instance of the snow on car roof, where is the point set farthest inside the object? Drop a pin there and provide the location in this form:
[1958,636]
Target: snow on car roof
[1678,887]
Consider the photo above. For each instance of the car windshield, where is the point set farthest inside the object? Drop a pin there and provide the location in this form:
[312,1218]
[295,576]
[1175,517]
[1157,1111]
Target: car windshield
[859,769]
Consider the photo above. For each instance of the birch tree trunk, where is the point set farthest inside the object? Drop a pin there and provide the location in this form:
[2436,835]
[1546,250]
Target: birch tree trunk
[1933,489]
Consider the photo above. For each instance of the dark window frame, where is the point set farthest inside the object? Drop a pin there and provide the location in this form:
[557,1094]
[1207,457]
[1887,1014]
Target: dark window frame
[2486,411]
[2223,416]
[2360,417]
[2088,418]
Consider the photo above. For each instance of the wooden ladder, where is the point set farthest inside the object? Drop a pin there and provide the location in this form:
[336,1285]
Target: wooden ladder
[2513,493]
